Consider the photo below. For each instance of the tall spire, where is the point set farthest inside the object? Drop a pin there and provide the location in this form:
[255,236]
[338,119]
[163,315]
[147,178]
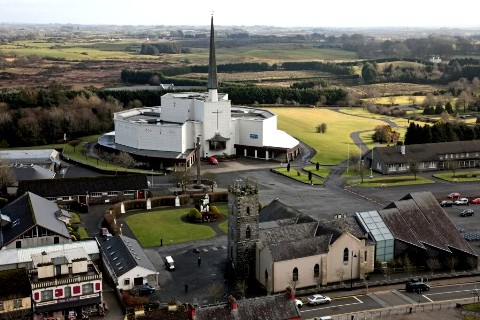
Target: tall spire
[212,68]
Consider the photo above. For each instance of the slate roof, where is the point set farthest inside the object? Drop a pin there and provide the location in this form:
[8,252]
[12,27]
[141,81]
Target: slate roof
[418,219]
[28,211]
[425,152]
[337,227]
[289,250]
[276,307]
[289,233]
[32,172]
[124,254]
[276,210]
[22,287]
[80,186]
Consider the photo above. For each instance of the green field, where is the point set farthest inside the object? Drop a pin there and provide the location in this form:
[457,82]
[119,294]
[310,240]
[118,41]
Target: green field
[331,147]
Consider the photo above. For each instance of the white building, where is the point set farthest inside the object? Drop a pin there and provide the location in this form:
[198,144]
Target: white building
[171,133]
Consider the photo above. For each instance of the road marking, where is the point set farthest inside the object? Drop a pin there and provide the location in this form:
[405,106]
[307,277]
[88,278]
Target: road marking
[447,292]
[223,247]
[427,298]
[205,250]
[327,306]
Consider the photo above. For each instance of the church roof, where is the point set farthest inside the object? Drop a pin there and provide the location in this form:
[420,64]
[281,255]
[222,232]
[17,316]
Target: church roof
[218,138]
[289,233]
[276,210]
[301,248]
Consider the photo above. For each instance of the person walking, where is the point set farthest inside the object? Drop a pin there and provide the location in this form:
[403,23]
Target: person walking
[186,287]
[199,260]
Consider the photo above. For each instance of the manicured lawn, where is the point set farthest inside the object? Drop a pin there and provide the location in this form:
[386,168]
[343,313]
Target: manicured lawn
[464,176]
[331,147]
[75,218]
[389,181]
[150,227]
[82,232]
[298,175]
[322,172]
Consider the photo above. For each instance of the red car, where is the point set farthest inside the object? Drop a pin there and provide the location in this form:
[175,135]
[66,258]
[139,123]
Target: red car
[212,160]
[476,201]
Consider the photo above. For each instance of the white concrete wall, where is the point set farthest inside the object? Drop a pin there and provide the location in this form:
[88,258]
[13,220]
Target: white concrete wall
[136,272]
[176,110]
[251,132]
[283,272]
[335,258]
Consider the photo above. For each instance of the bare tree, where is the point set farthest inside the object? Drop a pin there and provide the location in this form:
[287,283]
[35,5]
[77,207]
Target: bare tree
[340,272]
[408,266]
[412,100]
[211,176]
[7,176]
[124,159]
[414,169]
[433,264]
[362,169]
[241,288]
[453,166]
[182,177]
[216,291]
[452,262]
[293,282]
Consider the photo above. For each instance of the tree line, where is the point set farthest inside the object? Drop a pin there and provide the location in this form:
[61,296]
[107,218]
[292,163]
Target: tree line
[441,132]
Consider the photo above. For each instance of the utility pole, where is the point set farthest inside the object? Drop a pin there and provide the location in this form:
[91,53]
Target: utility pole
[197,155]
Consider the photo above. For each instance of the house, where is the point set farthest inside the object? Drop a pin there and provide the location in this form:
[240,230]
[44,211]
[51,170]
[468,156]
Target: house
[281,247]
[15,295]
[89,190]
[435,59]
[64,282]
[32,221]
[191,125]
[126,262]
[427,157]
[46,158]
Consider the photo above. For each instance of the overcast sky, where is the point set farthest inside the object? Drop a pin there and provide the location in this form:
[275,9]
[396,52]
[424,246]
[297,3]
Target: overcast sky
[311,13]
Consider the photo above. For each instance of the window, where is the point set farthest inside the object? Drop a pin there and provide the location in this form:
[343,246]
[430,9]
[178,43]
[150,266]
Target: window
[345,256]
[66,198]
[365,255]
[248,210]
[95,194]
[56,240]
[18,244]
[392,167]
[126,282]
[87,288]
[1,306]
[402,167]
[47,295]
[316,271]
[295,274]
[248,233]
[68,292]
[129,192]
[17,303]
[112,193]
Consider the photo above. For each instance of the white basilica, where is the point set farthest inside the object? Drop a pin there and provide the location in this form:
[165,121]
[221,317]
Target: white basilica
[186,120]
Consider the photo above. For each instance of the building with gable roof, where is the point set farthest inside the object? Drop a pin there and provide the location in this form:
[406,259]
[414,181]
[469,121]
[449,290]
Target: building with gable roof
[32,221]
[167,135]
[15,300]
[126,262]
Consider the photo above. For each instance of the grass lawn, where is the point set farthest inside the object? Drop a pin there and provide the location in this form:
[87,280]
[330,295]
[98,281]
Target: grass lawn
[150,227]
[322,172]
[75,218]
[389,181]
[298,175]
[332,147]
[464,176]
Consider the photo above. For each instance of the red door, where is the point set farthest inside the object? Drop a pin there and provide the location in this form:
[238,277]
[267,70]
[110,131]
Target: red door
[82,199]
[140,194]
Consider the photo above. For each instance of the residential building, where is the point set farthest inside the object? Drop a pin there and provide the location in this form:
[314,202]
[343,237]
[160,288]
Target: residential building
[427,157]
[33,221]
[15,295]
[46,158]
[126,263]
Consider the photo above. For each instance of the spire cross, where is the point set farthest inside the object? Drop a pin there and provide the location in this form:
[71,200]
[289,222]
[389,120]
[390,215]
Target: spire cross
[217,112]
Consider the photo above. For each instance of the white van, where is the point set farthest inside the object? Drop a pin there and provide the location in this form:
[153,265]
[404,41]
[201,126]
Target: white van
[169,264]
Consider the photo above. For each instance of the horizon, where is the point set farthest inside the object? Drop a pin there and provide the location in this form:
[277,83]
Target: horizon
[346,14]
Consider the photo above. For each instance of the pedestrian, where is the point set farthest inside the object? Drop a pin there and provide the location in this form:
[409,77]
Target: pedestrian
[186,287]
[161,242]
[199,261]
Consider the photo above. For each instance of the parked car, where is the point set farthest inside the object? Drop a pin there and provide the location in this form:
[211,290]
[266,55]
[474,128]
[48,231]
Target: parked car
[318,299]
[212,160]
[446,203]
[461,202]
[467,213]
[416,286]
[144,289]
[454,195]
[476,201]
[105,233]
[298,303]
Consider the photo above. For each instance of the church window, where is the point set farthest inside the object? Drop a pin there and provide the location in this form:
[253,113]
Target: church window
[248,233]
[345,256]
[295,274]
[217,145]
[316,271]
[266,274]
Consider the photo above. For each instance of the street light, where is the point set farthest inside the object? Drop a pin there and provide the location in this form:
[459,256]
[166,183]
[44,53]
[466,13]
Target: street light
[351,271]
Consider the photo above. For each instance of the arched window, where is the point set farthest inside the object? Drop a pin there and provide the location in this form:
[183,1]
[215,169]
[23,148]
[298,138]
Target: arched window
[345,255]
[316,271]
[295,274]
[248,233]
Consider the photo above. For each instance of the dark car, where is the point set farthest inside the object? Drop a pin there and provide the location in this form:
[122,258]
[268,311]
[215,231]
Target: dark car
[446,203]
[143,290]
[467,213]
[416,286]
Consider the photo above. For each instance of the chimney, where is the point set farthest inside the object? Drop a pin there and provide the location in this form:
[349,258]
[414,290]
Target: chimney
[402,149]
[233,306]
[191,312]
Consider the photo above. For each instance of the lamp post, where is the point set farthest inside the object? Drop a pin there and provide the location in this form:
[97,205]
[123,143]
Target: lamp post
[351,271]
[371,165]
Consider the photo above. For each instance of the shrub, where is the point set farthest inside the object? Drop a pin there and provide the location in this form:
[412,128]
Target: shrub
[194,215]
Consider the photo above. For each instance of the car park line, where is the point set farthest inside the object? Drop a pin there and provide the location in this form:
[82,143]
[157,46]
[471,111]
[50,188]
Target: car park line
[447,292]
[327,306]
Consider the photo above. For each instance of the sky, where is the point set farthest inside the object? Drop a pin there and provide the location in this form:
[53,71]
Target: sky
[300,13]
